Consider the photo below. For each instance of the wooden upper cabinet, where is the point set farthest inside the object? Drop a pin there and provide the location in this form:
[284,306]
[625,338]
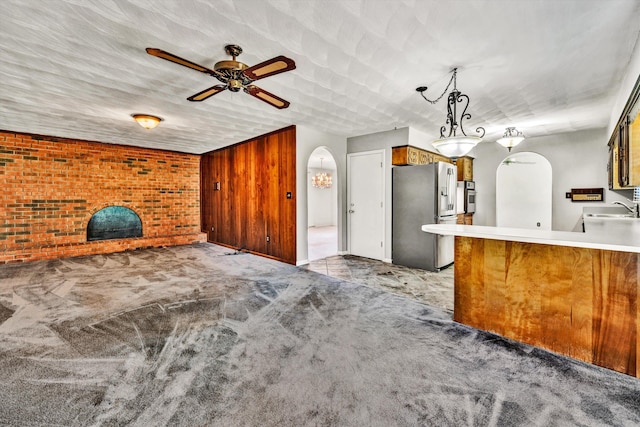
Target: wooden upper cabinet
[465,168]
[624,145]
[624,155]
[408,155]
[612,167]
[633,140]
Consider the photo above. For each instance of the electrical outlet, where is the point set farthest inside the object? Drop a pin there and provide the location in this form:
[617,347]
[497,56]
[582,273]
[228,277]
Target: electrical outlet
[212,229]
[268,240]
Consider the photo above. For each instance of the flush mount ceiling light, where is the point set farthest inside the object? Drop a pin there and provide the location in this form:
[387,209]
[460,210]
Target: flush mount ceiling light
[456,143]
[511,138]
[146,121]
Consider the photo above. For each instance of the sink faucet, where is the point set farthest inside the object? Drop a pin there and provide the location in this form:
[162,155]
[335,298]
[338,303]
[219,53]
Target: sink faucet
[634,210]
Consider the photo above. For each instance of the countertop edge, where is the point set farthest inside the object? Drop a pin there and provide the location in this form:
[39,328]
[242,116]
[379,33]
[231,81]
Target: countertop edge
[622,243]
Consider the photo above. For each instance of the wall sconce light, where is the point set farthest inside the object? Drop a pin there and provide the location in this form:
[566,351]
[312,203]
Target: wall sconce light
[146,121]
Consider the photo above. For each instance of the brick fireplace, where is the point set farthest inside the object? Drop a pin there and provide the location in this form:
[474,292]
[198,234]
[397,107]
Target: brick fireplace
[51,187]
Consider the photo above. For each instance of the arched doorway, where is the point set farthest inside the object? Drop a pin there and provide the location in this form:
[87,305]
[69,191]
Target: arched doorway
[322,204]
[524,192]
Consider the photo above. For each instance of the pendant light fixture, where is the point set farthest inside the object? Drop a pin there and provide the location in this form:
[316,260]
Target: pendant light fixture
[321,179]
[511,138]
[455,143]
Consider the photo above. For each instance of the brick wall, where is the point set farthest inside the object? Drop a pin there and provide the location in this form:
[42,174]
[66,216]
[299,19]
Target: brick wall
[50,187]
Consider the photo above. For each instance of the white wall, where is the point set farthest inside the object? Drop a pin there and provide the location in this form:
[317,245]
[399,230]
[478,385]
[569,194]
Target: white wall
[385,141]
[626,86]
[578,160]
[322,202]
[308,140]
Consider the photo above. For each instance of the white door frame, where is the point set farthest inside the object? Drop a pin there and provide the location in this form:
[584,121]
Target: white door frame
[336,199]
[382,198]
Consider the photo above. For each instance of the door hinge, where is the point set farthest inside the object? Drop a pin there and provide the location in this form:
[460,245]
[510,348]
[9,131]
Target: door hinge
[380,244]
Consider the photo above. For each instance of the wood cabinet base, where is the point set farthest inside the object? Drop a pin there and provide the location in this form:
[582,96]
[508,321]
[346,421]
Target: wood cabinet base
[578,302]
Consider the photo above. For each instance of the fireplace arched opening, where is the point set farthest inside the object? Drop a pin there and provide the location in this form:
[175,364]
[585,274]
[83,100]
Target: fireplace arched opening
[114,222]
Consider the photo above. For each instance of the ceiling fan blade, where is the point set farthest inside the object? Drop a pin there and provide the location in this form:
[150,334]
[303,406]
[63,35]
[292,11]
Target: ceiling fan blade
[181,61]
[201,96]
[276,65]
[267,97]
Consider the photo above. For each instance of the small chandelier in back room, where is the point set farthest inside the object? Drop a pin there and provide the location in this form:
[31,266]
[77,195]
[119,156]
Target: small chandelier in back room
[456,143]
[321,179]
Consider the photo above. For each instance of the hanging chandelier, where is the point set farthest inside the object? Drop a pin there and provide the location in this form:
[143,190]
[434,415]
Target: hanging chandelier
[456,143]
[511,138]
[321,179]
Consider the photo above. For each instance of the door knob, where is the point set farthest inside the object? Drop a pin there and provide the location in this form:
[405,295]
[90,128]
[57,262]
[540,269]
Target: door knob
[351,211]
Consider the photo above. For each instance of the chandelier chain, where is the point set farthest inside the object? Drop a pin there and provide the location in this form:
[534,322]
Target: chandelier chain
[446,89]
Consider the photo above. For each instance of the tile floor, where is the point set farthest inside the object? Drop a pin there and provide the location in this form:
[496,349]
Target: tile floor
[322,242]
[435,289]
[432,288]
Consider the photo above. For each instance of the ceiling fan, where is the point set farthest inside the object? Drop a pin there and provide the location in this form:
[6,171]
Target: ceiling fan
[235,75]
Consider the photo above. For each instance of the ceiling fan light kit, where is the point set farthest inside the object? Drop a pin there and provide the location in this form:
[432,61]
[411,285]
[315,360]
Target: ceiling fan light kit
[235,75]
[147,121]
[452,144]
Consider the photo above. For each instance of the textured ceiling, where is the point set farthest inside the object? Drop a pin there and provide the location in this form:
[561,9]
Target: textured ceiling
[78,68]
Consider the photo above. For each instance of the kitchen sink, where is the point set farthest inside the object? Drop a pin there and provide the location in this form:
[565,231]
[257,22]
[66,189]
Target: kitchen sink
[610,223]
[609,215]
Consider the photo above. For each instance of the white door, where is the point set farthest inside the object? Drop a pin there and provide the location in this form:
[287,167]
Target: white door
[365,192]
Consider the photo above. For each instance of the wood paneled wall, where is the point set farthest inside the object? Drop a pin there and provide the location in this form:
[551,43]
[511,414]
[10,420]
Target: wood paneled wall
[579,302]
[255,205]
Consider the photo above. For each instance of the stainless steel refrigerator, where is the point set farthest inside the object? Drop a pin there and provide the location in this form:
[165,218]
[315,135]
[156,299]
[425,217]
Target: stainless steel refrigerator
[424,194]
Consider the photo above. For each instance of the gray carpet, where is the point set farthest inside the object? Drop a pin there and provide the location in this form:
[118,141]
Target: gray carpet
[192,336]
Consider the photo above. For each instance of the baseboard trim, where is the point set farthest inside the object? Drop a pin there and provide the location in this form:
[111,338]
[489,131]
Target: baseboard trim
[343,252]
[303,262]
[387,260]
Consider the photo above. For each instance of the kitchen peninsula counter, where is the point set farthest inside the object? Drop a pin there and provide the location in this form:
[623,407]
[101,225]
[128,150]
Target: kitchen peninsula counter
[613,237]
[573,293]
